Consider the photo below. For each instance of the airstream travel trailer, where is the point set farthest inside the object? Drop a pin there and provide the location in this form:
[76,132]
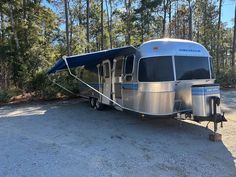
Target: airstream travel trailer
[160,77]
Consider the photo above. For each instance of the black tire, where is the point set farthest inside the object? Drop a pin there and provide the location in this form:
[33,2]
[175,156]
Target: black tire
[92,102]
[98,105]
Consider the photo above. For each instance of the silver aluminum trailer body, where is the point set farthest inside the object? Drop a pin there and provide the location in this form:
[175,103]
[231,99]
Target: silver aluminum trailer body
[163,77]
[123,83]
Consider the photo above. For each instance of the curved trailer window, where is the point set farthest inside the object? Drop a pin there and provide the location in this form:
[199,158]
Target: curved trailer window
[156,69]
[118,70]
[129,64]
[189,68]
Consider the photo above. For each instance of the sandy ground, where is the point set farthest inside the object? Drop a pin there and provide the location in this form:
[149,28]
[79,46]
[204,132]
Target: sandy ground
[70,139]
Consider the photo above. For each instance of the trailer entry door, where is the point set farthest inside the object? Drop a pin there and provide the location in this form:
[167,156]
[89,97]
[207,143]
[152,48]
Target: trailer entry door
[107,81]
[117,79]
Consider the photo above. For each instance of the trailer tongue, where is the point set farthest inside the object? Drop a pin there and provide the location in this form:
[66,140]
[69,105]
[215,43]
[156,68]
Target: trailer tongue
[206,106]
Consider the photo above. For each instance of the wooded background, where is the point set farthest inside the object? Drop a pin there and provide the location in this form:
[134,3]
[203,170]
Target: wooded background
[35,33]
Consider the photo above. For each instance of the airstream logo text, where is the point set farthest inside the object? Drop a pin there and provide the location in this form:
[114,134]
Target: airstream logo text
[213,90]
[189,50]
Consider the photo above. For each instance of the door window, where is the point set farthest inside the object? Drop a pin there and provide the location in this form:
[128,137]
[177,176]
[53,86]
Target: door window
[101,71]
[106,70]
[129,62]
[118,69]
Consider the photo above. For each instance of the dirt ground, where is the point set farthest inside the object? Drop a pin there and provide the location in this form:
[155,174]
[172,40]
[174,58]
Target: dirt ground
[70,139]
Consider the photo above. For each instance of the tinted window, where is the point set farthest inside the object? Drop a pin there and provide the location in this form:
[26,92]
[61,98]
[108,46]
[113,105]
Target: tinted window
[129,64]
[118,70]
[188,68]
[156,69]
[101,70]
[106,68]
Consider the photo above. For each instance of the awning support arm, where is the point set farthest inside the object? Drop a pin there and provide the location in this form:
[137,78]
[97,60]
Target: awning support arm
[68,68]
[59,85]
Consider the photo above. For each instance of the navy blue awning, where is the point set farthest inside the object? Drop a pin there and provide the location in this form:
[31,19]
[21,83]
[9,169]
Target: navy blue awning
[90,60]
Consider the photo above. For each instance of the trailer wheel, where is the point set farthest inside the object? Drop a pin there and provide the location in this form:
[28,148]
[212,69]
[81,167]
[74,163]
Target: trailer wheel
[98,105]
[92,102]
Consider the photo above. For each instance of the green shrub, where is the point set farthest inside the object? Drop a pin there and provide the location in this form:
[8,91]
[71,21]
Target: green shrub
[225,77]
[14,92]
[4,96]
[43,88]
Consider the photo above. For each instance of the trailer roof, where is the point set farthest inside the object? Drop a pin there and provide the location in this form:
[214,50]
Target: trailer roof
[172,47]
[90,60]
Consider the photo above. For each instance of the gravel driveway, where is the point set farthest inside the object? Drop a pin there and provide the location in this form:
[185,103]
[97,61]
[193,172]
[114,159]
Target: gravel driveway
[70,139]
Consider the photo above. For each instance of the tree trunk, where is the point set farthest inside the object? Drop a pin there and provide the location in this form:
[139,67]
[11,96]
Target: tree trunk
[184,31]
[128,28]
[198,30]
[13,26]
[102,35]
[176,18]
[111,28]
[190,21]
[2,27]
[1,60]
[25,4]
[80,12]
[71,34]
[204,22]
[6,79]
[71,27]
[1,75]
[234,43]
[218,39]
[17,46]
[164,19]
[170,28]
[67,28]
[142,27]
[87,25]
[109,20]
[148,24]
